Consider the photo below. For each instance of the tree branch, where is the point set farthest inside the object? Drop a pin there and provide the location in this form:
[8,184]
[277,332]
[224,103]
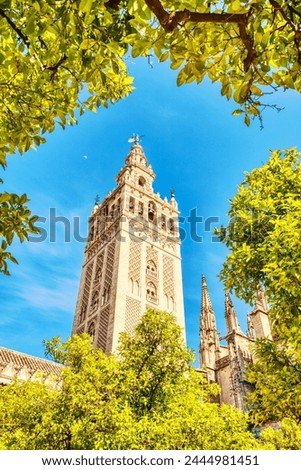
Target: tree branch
[290,22]
[114,4]
[170,21]
[249,45]
[15,28]
[279,8]
[293,10]
[54,67]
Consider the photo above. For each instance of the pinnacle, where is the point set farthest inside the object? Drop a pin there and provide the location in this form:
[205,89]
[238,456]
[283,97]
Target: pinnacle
[230,314]
[206,302]
[261,301]
[228,300]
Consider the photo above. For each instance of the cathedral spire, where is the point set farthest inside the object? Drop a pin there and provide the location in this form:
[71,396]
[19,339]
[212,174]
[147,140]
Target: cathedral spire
[206,302]
[230,314]
[251,329]
[259,316]
[261,303]
[209,339]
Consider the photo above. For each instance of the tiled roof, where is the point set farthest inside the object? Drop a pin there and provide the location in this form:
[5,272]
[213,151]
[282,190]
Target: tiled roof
[32,363]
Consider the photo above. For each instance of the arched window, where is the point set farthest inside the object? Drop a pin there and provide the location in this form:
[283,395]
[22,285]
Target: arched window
[141,181]
[152,212]
[151,269]
[112,211]
[91,234]
[131,285]
[83,312]
[137,288]
[95,300]
[171,225]
[151,292]
[132,204]
[163,222]
[118,207]
[105,211]
[91,330]
[98,276]
[140,208]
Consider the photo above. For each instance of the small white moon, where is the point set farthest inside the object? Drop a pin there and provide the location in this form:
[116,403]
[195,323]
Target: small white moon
[85,157]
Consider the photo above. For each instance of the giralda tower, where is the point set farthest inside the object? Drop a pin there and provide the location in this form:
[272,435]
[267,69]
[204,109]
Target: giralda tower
[132,258]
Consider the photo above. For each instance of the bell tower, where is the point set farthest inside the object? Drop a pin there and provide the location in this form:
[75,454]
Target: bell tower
[132,258]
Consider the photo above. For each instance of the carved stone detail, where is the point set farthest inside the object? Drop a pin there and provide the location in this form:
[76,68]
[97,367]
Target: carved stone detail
[132,315]
[135,260]
[168,276]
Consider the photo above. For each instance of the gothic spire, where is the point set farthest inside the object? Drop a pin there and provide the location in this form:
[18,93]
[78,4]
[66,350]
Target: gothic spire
[251,329]
[260,317]
[261,303]
[230,314]
[207,314]
[209,339]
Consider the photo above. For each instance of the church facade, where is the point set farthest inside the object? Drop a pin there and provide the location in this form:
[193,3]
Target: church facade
[132,261]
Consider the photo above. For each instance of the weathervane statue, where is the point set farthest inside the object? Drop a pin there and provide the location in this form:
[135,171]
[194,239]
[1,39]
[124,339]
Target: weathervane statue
[136,138]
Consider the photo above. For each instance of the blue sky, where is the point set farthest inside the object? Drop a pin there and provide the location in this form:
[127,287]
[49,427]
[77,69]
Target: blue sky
[193,143]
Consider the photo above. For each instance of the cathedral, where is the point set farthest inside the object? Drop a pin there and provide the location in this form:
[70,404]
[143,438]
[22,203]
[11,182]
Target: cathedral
[132,261]
[225,364]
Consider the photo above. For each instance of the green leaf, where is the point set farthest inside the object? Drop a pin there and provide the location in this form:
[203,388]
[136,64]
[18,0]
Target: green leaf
[236,5]
[247,120]
[87,43]
[164,56]
[4,197]
[85,6]
[237,112]
[182,77]
[176,63]
[3,245]
[9,237]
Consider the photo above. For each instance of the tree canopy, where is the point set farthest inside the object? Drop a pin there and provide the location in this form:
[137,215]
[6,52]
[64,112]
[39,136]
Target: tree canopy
[276,378]
[147,396]
[61,57]
[15,220]
[263,236]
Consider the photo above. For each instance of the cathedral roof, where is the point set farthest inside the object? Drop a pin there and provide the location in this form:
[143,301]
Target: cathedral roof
[20,361]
